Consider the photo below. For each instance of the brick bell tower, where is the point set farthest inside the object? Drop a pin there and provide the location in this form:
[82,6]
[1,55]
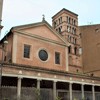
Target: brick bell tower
[1,6]
[65,23]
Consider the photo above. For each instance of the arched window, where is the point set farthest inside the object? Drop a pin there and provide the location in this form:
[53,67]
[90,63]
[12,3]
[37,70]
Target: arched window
[69,49]
[75,50]
[69,20]
[75,41]
[69,38]
[54,24]
[75,31]
[68,29]
[59,29]
[59,20]
[74,22]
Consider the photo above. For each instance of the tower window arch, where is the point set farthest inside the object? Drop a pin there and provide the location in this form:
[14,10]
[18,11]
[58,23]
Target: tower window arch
[60,29]
[59,20]
[74,40]
[75,50]
[69,49]
[75,31]
[68,20]
[55,24]
[68,29]
[74,22]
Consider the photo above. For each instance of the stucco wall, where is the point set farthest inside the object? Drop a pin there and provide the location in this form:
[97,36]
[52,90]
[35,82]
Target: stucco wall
[36,45]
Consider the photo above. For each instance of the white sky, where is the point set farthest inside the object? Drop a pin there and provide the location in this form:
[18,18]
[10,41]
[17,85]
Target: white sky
[19,12]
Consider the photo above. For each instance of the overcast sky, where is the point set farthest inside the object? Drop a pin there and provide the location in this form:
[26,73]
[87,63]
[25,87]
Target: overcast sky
[19,12]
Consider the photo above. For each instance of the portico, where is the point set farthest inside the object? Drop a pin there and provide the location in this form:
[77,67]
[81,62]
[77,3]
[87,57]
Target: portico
[60,85]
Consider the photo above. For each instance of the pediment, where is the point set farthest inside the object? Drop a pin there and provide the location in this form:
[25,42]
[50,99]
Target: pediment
[42,30]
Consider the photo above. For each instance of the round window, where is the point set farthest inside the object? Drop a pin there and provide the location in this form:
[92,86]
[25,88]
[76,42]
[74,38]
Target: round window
[43,55]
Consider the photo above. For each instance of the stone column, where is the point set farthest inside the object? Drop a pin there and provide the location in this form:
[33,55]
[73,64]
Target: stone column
[38,84]
[19,88]
[93,92]
[70,90]
[38,89]
[82,89]
[54,90]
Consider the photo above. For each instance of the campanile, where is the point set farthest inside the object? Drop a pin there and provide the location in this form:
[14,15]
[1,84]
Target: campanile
[65,23]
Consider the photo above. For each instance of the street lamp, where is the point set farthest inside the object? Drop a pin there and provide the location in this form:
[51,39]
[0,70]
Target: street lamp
[2,47]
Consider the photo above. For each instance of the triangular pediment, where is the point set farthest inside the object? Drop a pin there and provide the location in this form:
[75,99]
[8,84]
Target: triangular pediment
[42,30]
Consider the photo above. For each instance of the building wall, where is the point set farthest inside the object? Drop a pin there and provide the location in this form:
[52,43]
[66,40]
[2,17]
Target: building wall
[1,4]
[91,47]
[9,48]
[37,44]
[90,44]
[17,41]
[6,49]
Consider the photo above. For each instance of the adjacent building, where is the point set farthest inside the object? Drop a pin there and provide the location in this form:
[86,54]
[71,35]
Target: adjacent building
[90,35]
[44,62]
[1,5]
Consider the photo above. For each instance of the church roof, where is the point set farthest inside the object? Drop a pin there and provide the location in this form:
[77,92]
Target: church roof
[43,22]
[65,10]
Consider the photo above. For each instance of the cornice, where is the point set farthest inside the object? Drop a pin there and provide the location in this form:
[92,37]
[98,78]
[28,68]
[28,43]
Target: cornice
[22,27]
[50,71]
[65,11]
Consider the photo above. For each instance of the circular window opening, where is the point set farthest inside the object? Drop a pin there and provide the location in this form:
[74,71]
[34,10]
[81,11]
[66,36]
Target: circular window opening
[43,55]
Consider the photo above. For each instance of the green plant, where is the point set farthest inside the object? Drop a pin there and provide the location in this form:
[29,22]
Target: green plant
[37,93]
[5,99]
[83,99]
[58,98]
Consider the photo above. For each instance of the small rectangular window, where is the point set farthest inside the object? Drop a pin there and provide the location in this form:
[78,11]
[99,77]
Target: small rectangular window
[57,58]
[26,51]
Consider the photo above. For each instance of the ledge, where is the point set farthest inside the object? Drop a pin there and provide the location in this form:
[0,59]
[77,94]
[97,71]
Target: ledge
[50,71]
